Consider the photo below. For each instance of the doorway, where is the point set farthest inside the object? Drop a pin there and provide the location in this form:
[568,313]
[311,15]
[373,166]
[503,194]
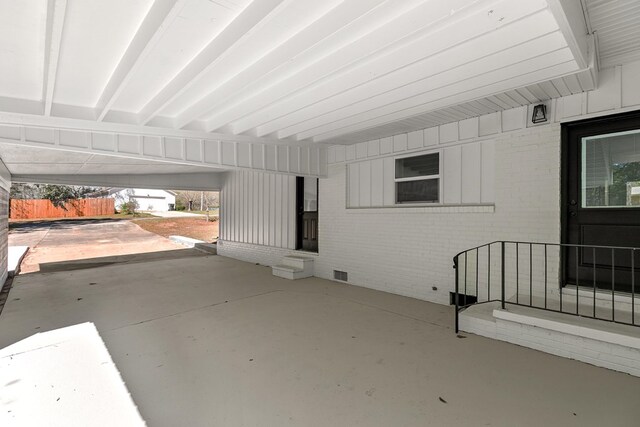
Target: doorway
[601,201]
[307,214]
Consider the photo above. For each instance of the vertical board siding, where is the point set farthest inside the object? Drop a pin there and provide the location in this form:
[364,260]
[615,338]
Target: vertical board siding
[467,176]
[37,208]
[259,208]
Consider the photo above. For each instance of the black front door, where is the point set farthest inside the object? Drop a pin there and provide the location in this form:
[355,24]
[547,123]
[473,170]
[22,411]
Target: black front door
[307,214]
[601,201]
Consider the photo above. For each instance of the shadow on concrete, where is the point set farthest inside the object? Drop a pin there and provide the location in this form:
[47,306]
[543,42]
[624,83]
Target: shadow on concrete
[81,264]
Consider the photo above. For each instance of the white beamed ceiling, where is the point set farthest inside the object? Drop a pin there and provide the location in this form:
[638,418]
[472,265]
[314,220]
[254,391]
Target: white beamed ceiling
[290,70]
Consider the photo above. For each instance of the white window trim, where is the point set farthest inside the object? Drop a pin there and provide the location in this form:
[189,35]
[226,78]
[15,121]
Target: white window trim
[419,178]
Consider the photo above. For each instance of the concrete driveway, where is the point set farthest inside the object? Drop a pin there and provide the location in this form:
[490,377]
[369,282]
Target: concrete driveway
[57,241]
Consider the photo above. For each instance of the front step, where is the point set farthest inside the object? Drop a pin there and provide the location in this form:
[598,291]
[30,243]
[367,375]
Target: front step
[294,267]
[601,343]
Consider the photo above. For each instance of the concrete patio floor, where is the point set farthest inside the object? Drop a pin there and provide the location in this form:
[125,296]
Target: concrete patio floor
[214,341]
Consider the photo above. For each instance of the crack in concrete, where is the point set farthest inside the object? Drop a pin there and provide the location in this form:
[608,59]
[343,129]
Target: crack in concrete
[195,309]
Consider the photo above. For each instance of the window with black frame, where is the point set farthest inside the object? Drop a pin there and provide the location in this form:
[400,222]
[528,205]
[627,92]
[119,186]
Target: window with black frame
[417,179]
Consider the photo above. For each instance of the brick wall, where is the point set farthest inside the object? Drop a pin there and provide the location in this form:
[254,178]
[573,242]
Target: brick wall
[408,251]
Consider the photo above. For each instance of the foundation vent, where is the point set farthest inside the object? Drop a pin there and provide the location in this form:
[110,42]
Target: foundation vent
[340,275]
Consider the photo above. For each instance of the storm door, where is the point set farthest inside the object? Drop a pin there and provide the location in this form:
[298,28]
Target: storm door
[601,201]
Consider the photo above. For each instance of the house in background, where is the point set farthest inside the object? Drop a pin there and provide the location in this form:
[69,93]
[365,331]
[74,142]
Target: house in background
[148,199]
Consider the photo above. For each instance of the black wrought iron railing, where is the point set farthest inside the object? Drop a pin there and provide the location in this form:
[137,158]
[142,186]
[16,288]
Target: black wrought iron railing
[598,282]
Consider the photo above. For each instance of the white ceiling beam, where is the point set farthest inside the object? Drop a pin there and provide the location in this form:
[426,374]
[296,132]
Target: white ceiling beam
[471,89]
[7,118]
[56,10]
[467,42]
[392,47]
[158,19]
[237,30]
[337,18]
[571,19]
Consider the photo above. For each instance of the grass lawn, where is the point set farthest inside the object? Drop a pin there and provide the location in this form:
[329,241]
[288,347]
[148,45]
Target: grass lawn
[196,228]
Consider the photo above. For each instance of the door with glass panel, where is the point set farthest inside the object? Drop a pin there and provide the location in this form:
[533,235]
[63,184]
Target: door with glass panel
[601,201]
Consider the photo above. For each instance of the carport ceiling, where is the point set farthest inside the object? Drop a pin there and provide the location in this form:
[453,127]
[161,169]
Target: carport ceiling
[301,70]
[21,161]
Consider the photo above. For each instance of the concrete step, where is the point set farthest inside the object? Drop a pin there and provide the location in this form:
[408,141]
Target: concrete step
[185,241]
[210,248]
[601,343]
[299,262]
[288,272]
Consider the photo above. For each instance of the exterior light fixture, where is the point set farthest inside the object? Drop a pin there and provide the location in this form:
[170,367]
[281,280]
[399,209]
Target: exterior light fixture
[539,114]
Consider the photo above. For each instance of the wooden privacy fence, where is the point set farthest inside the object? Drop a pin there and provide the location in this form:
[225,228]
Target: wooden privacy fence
[39,208]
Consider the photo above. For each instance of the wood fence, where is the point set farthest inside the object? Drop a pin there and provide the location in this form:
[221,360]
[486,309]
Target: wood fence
[38,208]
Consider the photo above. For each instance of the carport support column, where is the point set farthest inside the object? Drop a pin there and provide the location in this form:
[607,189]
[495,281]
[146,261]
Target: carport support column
[5,187]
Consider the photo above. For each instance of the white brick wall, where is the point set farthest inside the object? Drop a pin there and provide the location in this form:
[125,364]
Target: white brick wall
[408,251]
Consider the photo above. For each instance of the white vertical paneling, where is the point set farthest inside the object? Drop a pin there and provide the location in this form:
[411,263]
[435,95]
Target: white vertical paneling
[243,206]
[354,184]
[259,208]
[389,186]
[431,136]
[468,128]
[278,211]
[448,132]
[415,139]
[386,145]
[451,174]
[489,124]
[270,160]
[362,150]
[471,180]
[373,148]
[630,84]
[365,185]
[304,160]
[350,152]
[256,207]
[283,158]
[400,142]
[237,207]
[244,154]
[377,180]
[608,96]
[266,209]
[513,119]
[314,160]
[324,161]
[487,190]
[294,159]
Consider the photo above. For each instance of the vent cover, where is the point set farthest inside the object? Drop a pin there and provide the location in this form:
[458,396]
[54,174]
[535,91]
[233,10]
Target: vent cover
[340,275]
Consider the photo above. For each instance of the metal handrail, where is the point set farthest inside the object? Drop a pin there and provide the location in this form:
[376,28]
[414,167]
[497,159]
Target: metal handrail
[579,248]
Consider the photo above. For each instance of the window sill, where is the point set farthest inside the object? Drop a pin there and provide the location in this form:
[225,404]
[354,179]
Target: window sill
[422,208]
